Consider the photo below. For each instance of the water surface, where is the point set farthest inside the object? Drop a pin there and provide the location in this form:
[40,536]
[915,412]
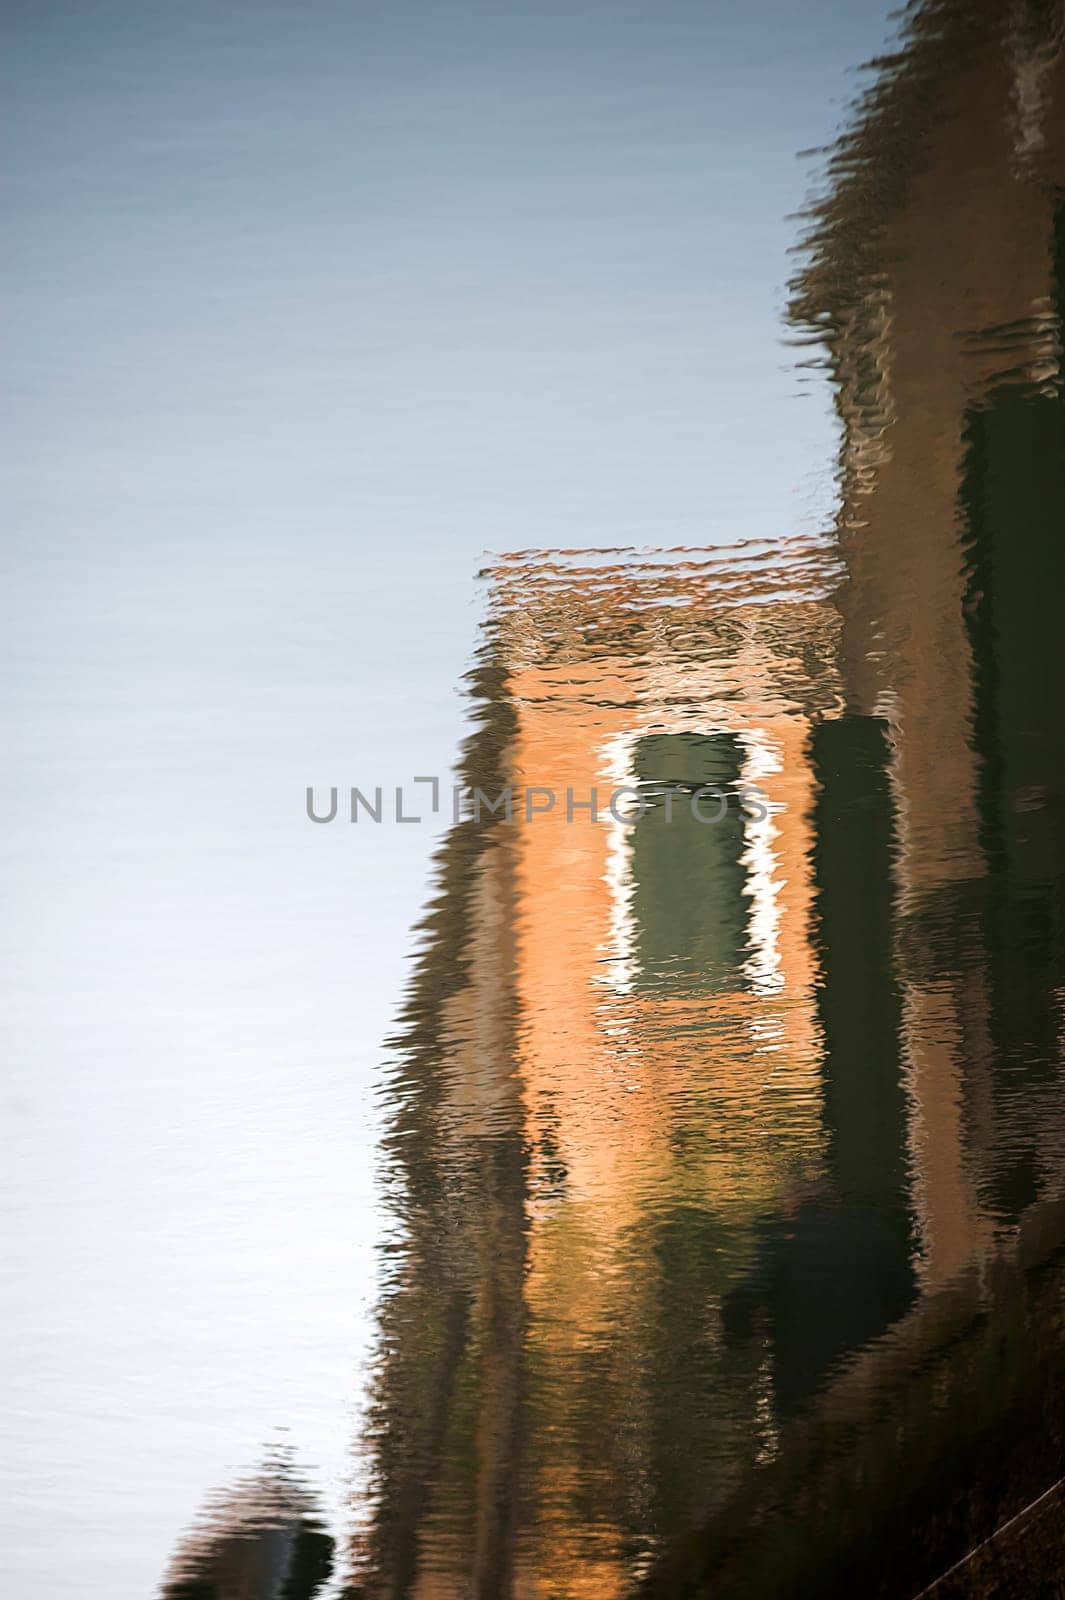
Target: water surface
[677,1209]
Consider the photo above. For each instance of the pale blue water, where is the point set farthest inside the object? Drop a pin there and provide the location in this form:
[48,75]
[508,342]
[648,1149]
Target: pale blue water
[308,308]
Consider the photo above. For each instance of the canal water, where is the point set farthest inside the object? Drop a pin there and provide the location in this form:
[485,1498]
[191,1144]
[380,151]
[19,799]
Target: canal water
[643,1174]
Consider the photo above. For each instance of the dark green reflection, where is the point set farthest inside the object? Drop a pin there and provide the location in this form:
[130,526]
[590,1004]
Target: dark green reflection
[837,1270]
[688,899]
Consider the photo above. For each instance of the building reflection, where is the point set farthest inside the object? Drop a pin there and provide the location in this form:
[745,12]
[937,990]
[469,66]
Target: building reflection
[727,1160]
[936,284]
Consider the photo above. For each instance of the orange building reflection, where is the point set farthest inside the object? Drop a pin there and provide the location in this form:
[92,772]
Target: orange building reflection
[728,1159]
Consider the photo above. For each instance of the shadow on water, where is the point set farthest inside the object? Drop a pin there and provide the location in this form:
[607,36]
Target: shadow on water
[726,1160]
[260,1541]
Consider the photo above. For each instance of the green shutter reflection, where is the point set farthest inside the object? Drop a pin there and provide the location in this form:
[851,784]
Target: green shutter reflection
[688,897]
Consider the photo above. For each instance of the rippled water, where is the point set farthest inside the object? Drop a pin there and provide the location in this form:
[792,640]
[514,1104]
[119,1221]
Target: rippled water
[722,1129]
[728,1158]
